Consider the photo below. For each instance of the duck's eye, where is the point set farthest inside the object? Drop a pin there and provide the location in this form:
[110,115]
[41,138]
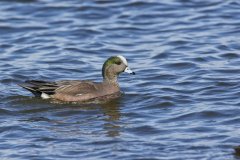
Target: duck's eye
[118,63]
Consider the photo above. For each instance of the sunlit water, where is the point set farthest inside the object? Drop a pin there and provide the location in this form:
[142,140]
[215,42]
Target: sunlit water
[183,103]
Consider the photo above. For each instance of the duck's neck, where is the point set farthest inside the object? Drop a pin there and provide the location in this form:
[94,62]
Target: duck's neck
[110,77]
[111,80]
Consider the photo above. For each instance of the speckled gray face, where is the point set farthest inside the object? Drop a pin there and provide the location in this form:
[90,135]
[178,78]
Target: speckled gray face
[127,69]
[116,64]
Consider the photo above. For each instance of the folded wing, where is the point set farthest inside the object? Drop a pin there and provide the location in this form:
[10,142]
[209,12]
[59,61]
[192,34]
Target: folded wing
[71,88]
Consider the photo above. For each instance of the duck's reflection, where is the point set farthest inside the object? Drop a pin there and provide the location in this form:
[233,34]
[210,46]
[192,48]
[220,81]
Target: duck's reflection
[104,116]
[112,112]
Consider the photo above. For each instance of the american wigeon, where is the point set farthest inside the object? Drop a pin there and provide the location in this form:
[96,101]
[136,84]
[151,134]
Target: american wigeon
[77,90]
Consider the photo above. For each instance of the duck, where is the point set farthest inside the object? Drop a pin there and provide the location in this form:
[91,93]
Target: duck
[237,150]
[82,90]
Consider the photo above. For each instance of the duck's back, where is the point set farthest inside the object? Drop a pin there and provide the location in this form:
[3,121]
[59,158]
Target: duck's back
[69,90]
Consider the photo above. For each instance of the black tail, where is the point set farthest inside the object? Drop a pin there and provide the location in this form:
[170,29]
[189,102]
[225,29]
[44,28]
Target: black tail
[39,87]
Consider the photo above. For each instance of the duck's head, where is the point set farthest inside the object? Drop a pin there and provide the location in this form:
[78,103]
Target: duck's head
[114,66]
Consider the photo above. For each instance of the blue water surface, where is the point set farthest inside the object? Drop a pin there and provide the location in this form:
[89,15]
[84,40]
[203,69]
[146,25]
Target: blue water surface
[183,103]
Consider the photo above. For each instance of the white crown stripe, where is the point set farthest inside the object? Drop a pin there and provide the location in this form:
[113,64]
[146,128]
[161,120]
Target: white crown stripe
[123,59]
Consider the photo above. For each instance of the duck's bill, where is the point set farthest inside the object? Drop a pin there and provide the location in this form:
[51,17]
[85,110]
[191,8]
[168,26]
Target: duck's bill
[128,70]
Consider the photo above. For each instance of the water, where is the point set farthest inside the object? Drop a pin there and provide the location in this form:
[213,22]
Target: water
[182,104]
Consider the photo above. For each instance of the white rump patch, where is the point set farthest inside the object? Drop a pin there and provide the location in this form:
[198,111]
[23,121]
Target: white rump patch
[45,96]
[78,94]
[123,59]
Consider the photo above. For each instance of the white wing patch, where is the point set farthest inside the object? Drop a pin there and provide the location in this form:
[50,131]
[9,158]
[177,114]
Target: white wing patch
[45,96]
[123,59]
